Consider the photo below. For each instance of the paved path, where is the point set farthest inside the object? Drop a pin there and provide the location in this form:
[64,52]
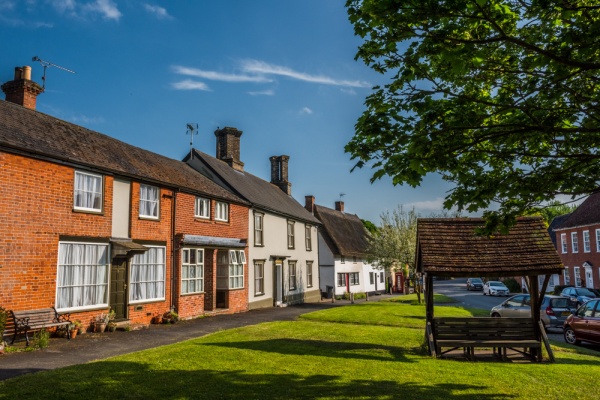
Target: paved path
[91,347]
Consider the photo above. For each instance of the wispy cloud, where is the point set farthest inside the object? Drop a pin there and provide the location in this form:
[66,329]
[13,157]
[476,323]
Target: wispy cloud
[263,68]
[263,93]
[157,11]
[218,76]
[106,8]
[427,205]
[306,111]
[189,84]
[6,5]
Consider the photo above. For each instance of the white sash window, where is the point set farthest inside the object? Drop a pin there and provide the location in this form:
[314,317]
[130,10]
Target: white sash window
[87,194]
[149,201]
[148,275]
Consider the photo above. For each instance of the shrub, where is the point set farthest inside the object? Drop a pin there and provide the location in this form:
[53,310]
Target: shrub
[512,285]
[41,339]
[3,318]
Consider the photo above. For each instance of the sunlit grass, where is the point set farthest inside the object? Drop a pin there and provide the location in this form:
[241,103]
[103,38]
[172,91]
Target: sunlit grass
[331,354]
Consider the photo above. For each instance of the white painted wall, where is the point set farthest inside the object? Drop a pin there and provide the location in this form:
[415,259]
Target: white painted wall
[121,207]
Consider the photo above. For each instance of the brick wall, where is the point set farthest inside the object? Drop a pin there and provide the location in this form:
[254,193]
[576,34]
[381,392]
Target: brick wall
[571,259]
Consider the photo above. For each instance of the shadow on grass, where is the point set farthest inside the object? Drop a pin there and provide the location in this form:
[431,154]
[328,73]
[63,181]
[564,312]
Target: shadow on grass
[126,380]
[319,348]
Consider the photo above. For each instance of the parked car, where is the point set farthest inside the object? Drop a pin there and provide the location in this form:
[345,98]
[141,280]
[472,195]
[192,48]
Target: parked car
[495,288]
[474,284]
[584,324]
[554,309]
[578,295]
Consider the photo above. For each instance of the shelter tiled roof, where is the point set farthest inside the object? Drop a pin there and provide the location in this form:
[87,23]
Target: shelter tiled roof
[262,194]
[344,231]
[35,134]
[450,247]
[588,213]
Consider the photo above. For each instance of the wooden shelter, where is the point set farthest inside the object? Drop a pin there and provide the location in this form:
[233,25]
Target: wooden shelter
[450,247]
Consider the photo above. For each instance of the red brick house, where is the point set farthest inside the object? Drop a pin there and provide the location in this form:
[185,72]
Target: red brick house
[90,223]
[578,244]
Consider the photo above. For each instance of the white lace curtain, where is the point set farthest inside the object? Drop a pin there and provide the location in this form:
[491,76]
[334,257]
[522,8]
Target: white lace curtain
[88,191]
[82,275]
[149,201]
[148,275]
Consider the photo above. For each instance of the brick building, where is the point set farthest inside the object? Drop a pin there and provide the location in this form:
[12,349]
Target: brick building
[578,244]
[90,223]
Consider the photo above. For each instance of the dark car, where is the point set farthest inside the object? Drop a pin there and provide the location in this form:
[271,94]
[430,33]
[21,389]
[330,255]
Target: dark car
[554,309]
[578,295]
[474,284]
[584,324]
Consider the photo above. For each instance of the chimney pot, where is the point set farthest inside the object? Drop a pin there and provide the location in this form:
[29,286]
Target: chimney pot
[26,73]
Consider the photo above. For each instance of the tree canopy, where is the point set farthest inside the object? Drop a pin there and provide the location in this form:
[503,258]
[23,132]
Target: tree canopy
[500,97]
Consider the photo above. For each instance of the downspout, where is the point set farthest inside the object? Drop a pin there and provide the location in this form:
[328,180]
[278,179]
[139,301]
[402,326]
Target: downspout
[173,250]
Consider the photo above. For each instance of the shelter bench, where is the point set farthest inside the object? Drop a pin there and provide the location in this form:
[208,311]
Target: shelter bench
[30,320]
[499,334]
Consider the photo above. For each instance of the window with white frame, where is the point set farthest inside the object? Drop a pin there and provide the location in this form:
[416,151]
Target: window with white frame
[192,271]
[309,273]
[202,208]
[577,276]
[574,242]
[230,269]
[341,280]
[293,280]
[566,276]
[290,235]
[221,211]
[563,242]
[147,275]
[149,201]
[308,237]
[82,275]
[259,277]
[372,278]
[598,240]
[354,278]
[259,229]
[586,242]
[87,192]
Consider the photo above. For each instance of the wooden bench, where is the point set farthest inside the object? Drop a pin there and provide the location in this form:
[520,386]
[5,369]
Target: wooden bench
[30,320]
[499,334]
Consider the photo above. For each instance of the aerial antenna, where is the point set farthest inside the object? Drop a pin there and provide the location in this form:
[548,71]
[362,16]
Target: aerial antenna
[192,129]
[342,195]
[47,64]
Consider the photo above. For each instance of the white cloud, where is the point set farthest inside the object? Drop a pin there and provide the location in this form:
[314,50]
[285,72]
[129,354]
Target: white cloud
[263,68]
[106,8]
[306,111]
[263,93]
[218,76]
[157,11]
[63,5]
[189,84]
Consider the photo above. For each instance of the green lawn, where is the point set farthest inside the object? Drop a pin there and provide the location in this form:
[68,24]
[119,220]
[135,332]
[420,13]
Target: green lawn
[331,354]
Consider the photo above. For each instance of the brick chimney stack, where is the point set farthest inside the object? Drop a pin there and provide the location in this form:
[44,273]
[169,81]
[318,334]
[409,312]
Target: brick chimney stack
[228,147]
[279,173]
[22,90]
[339,206]
[309,203]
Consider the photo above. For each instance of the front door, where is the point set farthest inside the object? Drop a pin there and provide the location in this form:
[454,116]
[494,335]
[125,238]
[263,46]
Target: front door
[278,284]
[118,287]
[589,280]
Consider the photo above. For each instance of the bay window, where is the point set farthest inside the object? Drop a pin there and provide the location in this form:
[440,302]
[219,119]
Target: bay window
[230,269]
[192,271]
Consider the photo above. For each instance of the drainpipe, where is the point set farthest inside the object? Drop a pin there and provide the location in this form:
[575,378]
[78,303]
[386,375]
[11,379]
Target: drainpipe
[173,249]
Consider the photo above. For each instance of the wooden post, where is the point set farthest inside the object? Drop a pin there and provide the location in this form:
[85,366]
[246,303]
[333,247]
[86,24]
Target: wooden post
[535,313]
[429,298]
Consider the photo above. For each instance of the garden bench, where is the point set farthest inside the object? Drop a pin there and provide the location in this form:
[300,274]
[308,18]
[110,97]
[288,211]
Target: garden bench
[30,320]
[499,334]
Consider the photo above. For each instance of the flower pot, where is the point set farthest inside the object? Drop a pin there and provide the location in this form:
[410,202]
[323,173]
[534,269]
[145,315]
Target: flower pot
[99,327]
[73,333]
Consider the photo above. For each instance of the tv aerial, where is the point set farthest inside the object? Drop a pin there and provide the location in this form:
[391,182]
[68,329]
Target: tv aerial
[192,129]
[47,64]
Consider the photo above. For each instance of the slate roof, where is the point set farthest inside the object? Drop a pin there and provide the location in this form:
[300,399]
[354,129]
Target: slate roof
[344,233]
[35,134]
[554,225]
[588,213]
[450,247]
[260,193]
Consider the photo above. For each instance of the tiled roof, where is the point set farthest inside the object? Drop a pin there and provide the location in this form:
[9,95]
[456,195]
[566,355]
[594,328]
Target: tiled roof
[258,192]
[450,247]
[555,224]
[35,134]
[588,213]
[345,231]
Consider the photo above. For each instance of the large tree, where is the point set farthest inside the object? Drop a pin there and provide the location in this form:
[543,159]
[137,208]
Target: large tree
[500,97]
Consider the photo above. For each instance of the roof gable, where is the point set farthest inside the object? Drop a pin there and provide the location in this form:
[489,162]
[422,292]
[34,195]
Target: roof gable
[260,193]
[450,247]
[588,213]
[345,231]
[38,135]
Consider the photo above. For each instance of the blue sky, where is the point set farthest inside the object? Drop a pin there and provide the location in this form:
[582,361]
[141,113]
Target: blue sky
[283,72]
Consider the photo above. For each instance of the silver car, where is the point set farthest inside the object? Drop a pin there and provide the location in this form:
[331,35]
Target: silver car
[554,309]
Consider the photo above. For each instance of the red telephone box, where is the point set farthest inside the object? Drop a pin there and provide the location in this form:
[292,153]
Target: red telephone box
[399,282]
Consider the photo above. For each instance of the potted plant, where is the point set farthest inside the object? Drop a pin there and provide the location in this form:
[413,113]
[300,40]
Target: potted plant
[100,322]
[75,327]
[170,317]
[112,326]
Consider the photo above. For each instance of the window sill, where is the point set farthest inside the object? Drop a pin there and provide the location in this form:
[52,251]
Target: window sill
[93,212]
[144,218]
[191,294]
